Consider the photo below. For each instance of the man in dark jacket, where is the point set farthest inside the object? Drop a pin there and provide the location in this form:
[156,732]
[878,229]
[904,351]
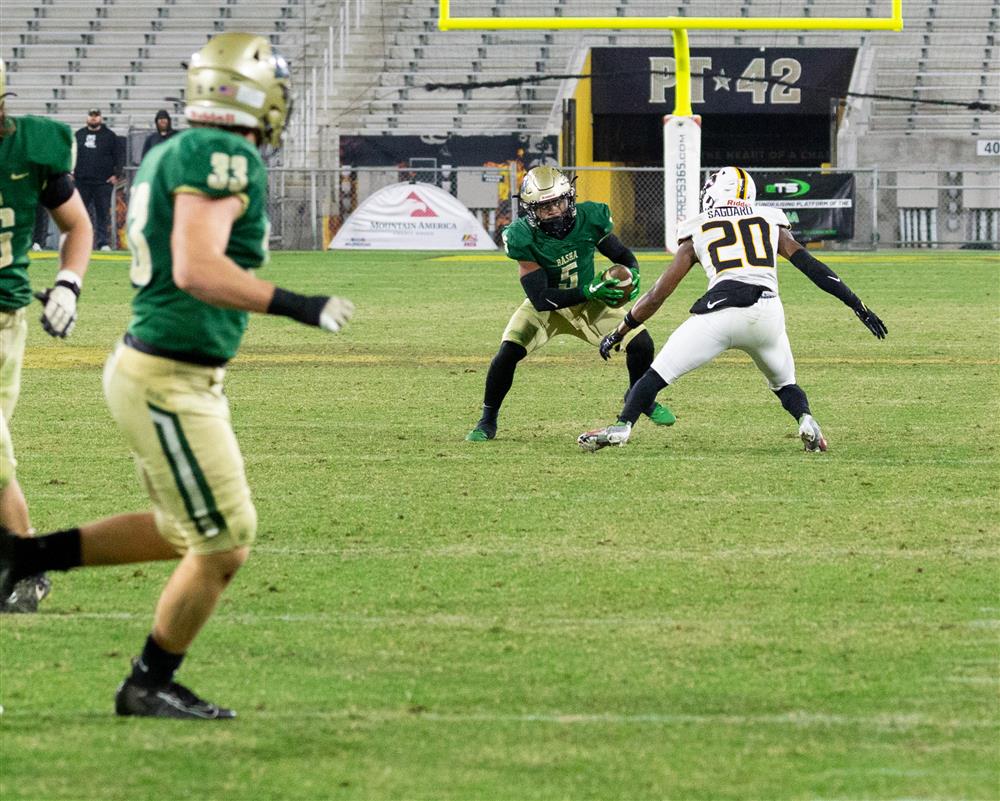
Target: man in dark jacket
[98,166]
[164,130]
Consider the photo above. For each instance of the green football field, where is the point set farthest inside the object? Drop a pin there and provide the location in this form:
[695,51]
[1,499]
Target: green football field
[706,613]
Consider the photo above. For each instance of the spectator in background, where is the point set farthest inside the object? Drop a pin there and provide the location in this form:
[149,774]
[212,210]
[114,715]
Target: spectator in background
[99,161]
[164,130]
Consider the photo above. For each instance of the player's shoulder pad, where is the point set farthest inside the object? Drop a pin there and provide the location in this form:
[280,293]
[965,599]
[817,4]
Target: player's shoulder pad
[516,238]
[597,216]
[213,161]
[201,141]
[48,143]
[773,215]
[594,211]
[690,226]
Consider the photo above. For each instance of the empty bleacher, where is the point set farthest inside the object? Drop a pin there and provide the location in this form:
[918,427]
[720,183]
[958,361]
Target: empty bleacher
[66,56]
[947,50]
[124,56]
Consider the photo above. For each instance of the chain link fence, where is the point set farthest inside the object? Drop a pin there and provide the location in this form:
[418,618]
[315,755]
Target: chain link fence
[920,208]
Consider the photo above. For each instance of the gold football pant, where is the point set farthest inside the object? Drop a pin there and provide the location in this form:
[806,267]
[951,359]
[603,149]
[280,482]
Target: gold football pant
[175,418]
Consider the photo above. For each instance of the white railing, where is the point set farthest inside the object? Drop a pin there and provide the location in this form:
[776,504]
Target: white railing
[317,92]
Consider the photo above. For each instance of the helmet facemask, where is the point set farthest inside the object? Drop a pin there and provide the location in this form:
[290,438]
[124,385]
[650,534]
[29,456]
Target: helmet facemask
[544,188]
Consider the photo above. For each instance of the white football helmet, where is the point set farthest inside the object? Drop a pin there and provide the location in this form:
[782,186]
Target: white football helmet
[729,183]
[542,186]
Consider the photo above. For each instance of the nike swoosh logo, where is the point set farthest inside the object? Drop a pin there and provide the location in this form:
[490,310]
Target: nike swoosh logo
[554,304]
[713,303]
[16,177]
[833,278]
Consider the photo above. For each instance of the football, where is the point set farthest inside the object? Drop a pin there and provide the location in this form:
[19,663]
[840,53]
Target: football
[624,277]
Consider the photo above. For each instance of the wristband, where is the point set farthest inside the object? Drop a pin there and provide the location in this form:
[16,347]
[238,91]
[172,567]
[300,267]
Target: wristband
[630,321]
[68,279]
[299,307]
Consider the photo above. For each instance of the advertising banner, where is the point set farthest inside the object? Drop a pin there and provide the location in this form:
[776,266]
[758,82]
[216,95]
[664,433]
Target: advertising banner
[724,80]
[681,169]
[412,216]
[819,206]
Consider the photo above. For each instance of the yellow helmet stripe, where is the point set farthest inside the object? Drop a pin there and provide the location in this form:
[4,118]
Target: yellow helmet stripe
[741,191]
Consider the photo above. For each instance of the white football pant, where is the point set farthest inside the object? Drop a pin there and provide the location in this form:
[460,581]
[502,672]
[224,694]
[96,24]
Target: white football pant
[758,330]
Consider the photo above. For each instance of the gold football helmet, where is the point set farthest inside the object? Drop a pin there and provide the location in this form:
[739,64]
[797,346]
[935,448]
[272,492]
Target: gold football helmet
[237,80]
[3,82]
[541,187]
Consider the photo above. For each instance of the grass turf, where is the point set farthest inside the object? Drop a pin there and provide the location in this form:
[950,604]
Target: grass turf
[707,613]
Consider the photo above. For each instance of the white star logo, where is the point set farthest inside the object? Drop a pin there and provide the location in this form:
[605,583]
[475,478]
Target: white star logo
[721,81]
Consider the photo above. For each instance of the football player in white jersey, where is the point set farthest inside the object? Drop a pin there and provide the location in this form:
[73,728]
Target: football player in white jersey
[738,244]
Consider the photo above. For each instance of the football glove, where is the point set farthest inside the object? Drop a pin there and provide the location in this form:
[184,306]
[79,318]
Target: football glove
[335,314]
[59,302]
[871,321]
[612,341]
[635,283]
[603,291]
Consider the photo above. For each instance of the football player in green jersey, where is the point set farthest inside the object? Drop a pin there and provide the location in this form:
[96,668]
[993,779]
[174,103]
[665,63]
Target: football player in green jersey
[36,157]
[554,244]
[197,228]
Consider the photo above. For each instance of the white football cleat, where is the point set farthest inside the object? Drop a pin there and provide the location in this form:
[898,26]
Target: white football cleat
[810,434]
[617,434]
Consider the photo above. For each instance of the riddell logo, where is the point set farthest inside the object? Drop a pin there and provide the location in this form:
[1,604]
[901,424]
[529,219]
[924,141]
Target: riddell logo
[423,209]
[207,115]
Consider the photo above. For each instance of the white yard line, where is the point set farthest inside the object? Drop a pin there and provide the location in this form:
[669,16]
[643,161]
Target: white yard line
[801,719]
[613,551]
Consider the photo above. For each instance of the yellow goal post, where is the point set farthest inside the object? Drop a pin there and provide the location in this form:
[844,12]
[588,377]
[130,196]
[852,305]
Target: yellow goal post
[679,26]
[682,130]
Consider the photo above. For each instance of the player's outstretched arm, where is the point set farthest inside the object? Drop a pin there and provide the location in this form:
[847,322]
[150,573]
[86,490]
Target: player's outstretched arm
[201,267]
[70,215]
[650,303]
[827,280]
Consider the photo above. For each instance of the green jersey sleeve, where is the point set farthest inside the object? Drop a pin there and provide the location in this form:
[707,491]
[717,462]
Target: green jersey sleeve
[517,238]
[599,219]
[33,150]
[50,145]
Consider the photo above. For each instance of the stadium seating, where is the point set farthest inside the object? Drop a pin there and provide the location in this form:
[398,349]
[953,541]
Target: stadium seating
[947,50]
[65,56]
[125,58]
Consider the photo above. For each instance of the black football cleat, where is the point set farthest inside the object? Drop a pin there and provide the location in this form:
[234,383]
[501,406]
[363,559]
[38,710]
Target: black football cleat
[8,578]
[27,594]
[173,701]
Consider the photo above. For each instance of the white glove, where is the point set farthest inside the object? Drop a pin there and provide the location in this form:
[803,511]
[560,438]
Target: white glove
[335,314]
[59,314]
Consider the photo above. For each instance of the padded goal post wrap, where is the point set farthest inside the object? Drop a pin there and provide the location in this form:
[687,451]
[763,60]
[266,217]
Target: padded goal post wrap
[681,173]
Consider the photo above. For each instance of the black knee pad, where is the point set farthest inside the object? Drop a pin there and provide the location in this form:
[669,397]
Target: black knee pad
[640,345]
[510,354]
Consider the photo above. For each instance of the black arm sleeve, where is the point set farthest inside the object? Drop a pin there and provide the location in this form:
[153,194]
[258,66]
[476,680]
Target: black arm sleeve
[57,191]
[825,278]
[545,298]
[611,247]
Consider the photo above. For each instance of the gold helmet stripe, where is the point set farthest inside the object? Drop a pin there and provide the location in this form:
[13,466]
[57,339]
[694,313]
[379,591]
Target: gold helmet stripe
[741,191]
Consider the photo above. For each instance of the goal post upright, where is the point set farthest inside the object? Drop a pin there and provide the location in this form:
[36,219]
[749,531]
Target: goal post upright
[682,128]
